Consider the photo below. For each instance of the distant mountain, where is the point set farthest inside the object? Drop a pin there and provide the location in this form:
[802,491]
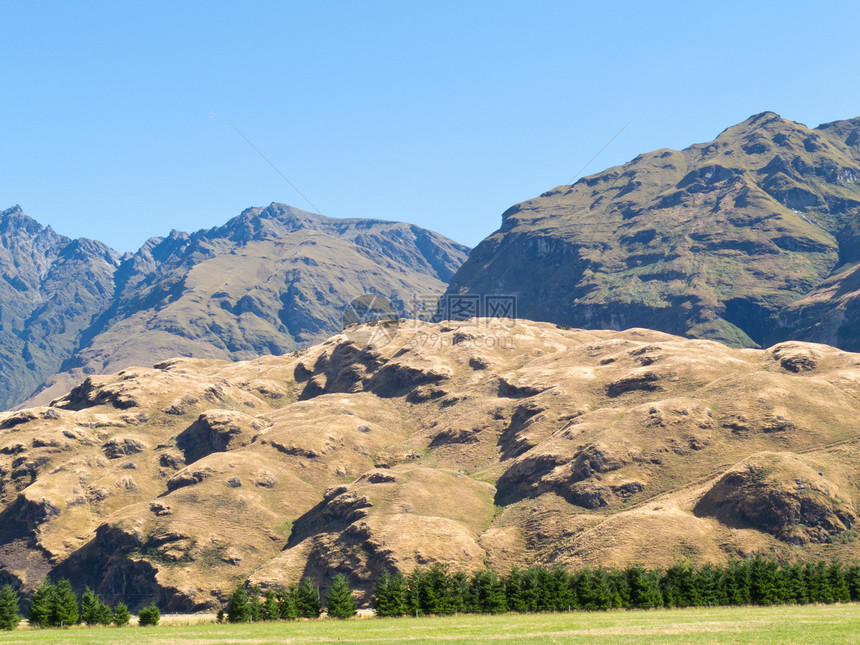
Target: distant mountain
[749,239]
[52,289]
[269,281]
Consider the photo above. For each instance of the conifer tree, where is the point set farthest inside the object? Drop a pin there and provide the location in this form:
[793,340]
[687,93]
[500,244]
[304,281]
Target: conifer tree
[531,595]
[414,584]
[583,586]
[41,602]
[736,583]
[595,590]
[814,584]
[708,584]
[89,607]
[271,610]
[104,614]
[679,586]
[287,602]
[619,586]
[422,593]
[121,616]
[488,593]
[308,600]
[795,584]
[670,588]
[63,611]
[560,590]
[149,616]
[839,590]
[825,591]
[391,595]
[436,593]
[514,591]
[690,592]
[9,608]
[340,602]
[761,582]
[383,603]
[644,588]
[255,605]
[399,594]
[545,600]
[237,607]
[853,578]
[461,593]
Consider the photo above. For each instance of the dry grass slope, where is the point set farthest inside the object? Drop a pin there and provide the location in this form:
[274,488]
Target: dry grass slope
[475,444]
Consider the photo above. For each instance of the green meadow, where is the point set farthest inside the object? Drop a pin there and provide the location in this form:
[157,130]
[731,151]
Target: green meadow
[786,624]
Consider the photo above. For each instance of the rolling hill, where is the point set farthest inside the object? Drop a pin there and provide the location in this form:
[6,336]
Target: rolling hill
[481,442]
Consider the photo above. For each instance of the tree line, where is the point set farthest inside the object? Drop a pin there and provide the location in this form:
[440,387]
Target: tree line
[57,605]
[295,601]
[439,591]
[758,581]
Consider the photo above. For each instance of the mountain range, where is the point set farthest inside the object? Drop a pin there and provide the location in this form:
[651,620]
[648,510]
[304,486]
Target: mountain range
[201,416]
[269,281]
[750,239]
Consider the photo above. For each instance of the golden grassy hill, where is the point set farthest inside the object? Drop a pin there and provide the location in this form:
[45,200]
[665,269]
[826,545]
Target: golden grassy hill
[477,443]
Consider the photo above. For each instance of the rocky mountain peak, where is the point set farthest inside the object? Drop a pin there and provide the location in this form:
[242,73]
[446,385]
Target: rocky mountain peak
[268,222]
[13,221]
[84,247]
[711,241]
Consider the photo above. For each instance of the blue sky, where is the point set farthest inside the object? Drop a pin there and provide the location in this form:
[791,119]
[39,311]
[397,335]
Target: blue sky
[115,121]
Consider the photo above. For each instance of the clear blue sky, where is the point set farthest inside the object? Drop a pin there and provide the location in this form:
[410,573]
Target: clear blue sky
[115,116]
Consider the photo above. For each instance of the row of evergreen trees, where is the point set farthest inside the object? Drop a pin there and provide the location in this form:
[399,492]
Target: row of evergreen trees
[758,581]
[437,591]
[56,605]
[296,601]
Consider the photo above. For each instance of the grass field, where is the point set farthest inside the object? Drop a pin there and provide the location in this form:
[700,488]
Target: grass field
[810,624]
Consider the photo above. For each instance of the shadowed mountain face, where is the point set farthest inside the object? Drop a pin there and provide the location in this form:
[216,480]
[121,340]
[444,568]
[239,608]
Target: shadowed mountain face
[267,282]
[722,240]
[478,443]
